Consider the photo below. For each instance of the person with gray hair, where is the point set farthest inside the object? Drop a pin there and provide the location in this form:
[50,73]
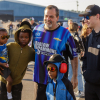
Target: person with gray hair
[48,39]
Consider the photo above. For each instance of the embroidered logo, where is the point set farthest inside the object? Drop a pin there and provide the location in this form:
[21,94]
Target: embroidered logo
[63,89]
[37,34]
[88,10]
[57,39]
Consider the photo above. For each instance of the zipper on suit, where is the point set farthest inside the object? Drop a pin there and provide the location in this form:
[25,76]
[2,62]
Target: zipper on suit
[21,50]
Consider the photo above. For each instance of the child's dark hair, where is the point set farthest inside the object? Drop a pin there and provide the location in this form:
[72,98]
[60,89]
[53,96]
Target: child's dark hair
[25,31]
[3,30]
[73,27]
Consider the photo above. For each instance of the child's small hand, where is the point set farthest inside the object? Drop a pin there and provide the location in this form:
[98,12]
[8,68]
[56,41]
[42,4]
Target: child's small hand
[1,71]
[5,65]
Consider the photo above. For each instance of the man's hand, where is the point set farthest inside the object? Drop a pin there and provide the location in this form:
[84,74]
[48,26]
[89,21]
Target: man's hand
[74,82]
[84,71]
[82,53]
[0,71]
[74,64]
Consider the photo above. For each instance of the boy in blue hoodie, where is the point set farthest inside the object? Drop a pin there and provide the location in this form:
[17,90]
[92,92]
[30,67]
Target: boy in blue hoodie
[58,87]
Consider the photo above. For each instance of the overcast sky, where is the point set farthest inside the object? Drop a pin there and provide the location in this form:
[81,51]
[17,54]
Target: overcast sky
[65,4]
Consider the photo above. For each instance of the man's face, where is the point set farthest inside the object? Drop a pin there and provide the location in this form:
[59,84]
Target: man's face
[91,21]
[69,22]
[50,19]
[23,39]
[10,22]
[32,21]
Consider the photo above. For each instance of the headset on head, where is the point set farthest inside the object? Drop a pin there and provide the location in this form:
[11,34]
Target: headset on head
[63,67]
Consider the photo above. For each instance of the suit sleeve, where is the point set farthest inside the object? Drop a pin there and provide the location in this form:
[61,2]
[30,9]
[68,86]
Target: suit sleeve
[70,48]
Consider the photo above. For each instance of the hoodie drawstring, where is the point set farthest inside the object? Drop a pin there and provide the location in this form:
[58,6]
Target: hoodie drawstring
[54,91]
[21,50]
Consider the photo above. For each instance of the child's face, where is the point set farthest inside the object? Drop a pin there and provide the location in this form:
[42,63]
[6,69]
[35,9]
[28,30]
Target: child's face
[3,37]
[52,71]
[23,39]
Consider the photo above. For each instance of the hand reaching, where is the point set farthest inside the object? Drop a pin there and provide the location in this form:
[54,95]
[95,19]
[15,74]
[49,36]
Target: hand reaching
[82,53]
[74,82]
[5,65]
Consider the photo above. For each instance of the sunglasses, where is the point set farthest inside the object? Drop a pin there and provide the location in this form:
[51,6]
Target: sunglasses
[3,37]
[52,69]
[87,17]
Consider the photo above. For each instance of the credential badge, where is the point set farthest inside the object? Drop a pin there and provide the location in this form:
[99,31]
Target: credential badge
[98,46]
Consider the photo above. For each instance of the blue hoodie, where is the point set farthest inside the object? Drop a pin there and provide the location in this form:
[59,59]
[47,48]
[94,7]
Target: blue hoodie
[64,89]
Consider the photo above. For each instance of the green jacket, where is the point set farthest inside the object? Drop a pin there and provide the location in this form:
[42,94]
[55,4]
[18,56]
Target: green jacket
[18,60]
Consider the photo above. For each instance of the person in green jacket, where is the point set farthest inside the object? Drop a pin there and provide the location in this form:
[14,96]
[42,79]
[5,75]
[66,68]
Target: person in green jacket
[20,54]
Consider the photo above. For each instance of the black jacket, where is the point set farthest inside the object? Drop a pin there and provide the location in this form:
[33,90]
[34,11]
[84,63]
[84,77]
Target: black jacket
[78,42]
[84,39]
[91,61]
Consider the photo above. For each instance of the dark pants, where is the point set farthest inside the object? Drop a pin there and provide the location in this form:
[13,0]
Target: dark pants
[6,72]
[92,92]
[41,92]
[16,91]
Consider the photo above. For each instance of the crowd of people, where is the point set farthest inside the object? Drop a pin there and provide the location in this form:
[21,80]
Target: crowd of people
[64,59]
